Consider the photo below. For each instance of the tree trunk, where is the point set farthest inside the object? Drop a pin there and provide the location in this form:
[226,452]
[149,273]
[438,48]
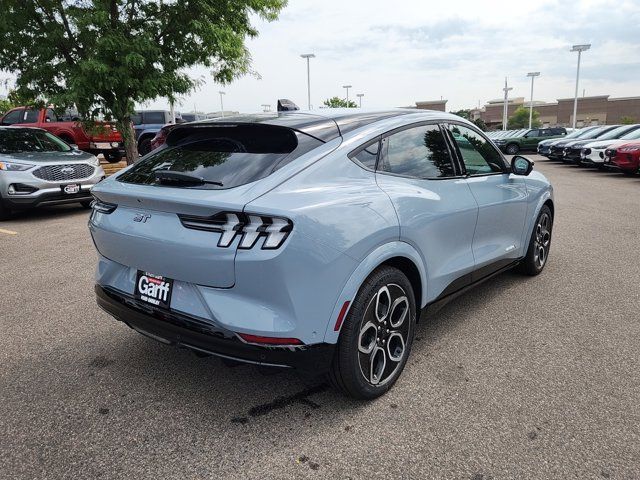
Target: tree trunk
[125,127]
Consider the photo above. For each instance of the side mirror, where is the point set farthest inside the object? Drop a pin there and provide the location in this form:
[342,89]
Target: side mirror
[521,165]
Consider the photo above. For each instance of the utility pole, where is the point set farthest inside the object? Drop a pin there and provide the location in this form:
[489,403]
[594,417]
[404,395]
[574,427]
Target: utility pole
[308,56]
[347,87]
[579,49]
[533,75]
[360,95]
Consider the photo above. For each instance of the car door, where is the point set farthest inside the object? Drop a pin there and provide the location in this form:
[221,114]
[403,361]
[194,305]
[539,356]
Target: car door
[530,142]
[436,211]
[501,198]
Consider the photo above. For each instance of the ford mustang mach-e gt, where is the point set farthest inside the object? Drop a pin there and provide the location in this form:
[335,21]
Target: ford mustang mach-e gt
[313,240]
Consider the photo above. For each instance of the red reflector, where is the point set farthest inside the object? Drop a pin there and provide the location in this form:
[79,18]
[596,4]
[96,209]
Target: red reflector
[269,340]
[341,315]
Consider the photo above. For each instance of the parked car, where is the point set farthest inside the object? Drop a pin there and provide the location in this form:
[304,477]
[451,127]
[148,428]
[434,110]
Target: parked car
[161,137]
[193,117]
[544,147]
[102,138]
[625,157]
[528,140]
[593,153]
[556,150]
[313,240]
[147,123]
[37,168]
[571,151]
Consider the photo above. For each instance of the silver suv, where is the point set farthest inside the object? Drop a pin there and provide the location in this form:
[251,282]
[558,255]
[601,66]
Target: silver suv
[37,169]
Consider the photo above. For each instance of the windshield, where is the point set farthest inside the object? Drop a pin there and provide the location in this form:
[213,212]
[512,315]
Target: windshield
[633,135]
[577,133]
[30,140]
[221,156]
[615,133]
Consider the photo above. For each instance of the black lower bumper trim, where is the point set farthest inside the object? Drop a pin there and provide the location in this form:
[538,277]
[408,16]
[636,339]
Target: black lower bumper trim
[196,334]
[17,203]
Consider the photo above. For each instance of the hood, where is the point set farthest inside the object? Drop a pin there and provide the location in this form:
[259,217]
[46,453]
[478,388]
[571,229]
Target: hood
[602,144]
[39,158]
[578,143]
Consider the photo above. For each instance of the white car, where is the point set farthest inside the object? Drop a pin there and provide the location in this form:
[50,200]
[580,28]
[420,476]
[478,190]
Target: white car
[593,153]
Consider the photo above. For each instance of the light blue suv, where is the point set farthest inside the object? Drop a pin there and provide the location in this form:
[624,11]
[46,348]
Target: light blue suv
[313,240]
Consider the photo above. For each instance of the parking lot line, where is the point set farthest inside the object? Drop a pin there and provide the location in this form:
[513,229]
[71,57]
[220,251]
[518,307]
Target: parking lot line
[8,232]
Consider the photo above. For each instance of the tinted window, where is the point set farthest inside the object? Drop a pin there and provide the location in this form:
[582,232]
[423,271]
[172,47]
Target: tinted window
[13,117]
[367,156]
[136,118]
[154,117]
[230,155]
[31,116]
[30,140]
[545,133]
[477,153]
[558,131]
[419,152]
[50,116]
[533,133]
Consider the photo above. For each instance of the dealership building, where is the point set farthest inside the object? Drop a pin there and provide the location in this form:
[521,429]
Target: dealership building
[595,110]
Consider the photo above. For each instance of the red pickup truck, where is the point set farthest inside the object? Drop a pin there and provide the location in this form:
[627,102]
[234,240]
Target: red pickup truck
[105,139]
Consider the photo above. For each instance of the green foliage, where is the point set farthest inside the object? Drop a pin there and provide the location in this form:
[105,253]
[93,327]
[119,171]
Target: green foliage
[337,102]
[103,56]
[626,120]
[520,119]
[480,124]
[466,113]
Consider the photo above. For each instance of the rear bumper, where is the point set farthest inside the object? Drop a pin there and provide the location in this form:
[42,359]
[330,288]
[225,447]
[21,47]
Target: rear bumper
[201,336]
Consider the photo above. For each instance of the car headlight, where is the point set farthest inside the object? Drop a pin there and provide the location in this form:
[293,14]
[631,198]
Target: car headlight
[14,167]
[629,149]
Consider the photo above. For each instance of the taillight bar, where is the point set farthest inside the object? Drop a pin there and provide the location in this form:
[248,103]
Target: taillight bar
[260,340]
[103,207]
[250,227]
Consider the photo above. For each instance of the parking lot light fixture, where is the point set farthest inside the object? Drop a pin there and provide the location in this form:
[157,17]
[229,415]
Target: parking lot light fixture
[505,111]
[579,49]
[347,87]
[308,56]
[221,103]
[533,75]
[360,95]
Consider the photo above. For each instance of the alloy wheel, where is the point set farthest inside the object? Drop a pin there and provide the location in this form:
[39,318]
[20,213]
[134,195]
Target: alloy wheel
[542,240]
[384,331]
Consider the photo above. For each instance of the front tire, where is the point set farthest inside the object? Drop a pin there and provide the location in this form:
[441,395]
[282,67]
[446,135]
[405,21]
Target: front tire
[539,244]
[376,337]
[5,211]
[512,149]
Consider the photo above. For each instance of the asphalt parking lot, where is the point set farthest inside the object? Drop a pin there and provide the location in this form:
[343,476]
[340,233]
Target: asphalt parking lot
[521,378]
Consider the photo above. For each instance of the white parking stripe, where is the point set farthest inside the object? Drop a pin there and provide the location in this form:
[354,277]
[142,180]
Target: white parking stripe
[8,232]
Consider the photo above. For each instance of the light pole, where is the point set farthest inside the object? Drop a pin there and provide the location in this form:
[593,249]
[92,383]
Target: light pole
[579,49]
[266,107]
[347,87]
[308,56]
[505,111]
[532,75]
[221,104]
[360,95]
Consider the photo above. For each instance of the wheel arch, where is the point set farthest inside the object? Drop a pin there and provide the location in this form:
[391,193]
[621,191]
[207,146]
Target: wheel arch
[398,254]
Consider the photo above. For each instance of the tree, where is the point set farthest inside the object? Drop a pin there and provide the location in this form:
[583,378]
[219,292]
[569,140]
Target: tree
[103,56]
[520,119]
[480,124]
[337,102]
[466,113]
[626,120]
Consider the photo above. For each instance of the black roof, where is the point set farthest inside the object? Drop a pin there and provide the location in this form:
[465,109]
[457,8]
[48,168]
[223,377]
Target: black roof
[324,125]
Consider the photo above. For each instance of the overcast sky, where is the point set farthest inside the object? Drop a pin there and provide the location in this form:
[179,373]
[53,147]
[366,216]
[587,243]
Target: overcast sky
[399,52]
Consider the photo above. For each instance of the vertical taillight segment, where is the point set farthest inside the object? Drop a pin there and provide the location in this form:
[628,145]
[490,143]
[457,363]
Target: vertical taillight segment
[249,226]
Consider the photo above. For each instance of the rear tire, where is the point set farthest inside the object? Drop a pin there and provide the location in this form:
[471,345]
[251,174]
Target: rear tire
[512,149]
[113,157]
[145,146]
[539,244]
[376,337]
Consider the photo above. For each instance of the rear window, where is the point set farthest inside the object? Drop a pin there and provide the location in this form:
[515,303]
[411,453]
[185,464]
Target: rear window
[226,155]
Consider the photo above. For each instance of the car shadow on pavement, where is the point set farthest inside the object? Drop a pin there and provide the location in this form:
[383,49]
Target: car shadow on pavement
[45,213]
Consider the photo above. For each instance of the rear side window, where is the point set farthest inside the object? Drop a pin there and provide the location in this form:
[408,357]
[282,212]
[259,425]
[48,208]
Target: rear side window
[367,156]
[154,117]
[419,152]
[31,116]
[225,155]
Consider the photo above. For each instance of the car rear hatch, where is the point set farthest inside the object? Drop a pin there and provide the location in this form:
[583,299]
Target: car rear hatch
[169,207]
